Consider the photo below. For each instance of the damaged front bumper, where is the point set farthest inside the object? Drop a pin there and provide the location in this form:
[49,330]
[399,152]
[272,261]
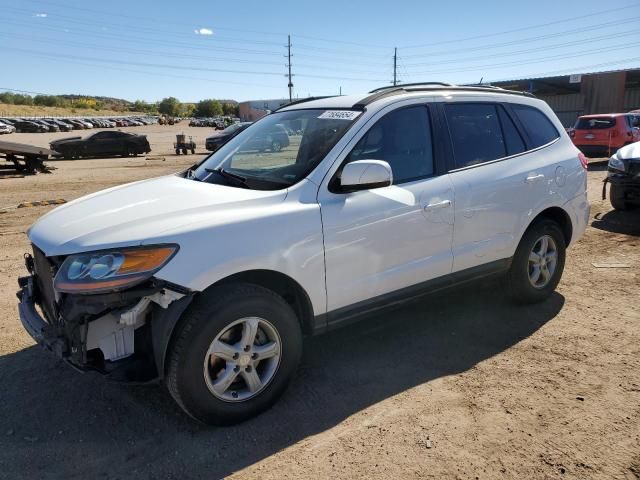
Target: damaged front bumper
[123,335]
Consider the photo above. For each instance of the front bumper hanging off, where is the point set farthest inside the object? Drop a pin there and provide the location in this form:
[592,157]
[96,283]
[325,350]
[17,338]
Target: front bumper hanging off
[42,332]
[123,335]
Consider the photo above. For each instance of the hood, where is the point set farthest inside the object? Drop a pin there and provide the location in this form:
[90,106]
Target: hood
[65,140]
[135,213]
[630,151]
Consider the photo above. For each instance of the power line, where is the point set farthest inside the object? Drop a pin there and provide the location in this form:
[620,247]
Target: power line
[528,39]
[522,29]
[539,60]
[519,52]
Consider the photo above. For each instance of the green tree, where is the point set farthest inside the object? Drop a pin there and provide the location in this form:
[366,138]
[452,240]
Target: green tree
[6,97]
[47,100]
[231,109]
[169,106]
[208,108]
[19,99]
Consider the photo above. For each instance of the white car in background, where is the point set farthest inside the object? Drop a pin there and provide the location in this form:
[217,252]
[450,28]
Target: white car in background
[208,279]
[4,128]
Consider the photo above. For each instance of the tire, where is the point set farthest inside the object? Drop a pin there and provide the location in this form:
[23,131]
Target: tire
[191,373]
[193,151]
[177,151]
[276,146]
[616,197]
[522,274]
[185,151]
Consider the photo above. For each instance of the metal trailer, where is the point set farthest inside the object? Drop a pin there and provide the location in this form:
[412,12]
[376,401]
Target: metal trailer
[182,145]
[26,158]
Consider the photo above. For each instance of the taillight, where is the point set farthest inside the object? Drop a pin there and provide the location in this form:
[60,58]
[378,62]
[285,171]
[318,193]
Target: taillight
[583,160]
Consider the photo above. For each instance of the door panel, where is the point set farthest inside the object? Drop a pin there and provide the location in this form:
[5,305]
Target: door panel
[382,240]
[495,192]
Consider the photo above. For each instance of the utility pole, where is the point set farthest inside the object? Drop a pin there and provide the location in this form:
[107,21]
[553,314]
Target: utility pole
[289,66]
[395,66]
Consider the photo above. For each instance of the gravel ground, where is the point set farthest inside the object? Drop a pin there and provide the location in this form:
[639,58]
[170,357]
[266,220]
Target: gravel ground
[460,385]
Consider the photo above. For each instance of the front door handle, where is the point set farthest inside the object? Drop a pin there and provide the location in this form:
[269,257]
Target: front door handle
[533,178]
[442,204]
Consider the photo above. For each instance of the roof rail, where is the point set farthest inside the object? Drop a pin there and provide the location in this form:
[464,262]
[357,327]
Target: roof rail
[431,86]
[483,85]
[426,84]
[303,100]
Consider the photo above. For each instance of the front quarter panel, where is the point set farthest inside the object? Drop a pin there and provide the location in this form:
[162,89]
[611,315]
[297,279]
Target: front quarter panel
[286,238]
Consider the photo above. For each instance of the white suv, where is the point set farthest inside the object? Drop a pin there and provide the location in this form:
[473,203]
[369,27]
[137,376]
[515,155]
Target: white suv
[209,278]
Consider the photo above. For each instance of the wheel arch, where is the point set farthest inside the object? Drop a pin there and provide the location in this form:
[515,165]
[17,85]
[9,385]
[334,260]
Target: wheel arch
[283,285]
[558,215]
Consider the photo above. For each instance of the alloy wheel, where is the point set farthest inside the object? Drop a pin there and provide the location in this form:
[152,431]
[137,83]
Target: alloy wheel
[242,359]
[543,260]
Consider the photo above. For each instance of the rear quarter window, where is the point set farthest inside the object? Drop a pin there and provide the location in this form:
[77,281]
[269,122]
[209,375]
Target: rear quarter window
[536,124]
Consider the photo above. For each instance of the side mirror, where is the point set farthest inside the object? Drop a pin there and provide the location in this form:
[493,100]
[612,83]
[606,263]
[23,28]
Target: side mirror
[365,174]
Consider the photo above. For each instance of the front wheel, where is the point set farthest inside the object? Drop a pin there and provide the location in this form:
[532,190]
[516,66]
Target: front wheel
[233,354]
[538,264]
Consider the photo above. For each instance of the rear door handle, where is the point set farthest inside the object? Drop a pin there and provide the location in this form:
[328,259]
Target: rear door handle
[433,206]
[533,178]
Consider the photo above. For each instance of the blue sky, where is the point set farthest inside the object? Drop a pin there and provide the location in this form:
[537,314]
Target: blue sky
[195,49]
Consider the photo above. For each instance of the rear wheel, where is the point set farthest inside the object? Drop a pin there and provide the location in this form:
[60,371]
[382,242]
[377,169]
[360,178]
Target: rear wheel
[538,264]
[185,151]
[617,197]
[233,354]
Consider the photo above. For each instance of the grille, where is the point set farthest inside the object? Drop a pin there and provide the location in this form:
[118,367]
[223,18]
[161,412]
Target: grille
[44,280]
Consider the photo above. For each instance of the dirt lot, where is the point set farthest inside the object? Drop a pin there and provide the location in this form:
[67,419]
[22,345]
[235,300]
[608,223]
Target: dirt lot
[463,385]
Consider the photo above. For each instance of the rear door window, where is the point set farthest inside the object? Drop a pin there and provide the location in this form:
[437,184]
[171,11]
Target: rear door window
[536,125]
[475,132]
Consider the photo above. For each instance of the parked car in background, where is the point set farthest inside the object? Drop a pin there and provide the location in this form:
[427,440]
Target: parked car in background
[102,144]
[64,127]
[5,128]
[77,124]
[216,141]
[603,134]
[274,139]
[50,125]
[26,126]
[208,279]
[624,176]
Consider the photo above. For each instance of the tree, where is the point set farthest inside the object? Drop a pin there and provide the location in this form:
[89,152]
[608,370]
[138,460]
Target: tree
[47,100]
[169,106]
[188,110]
[208,108]
[231,109]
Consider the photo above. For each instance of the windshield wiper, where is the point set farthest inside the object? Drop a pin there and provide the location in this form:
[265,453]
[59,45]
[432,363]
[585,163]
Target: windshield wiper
[239,179]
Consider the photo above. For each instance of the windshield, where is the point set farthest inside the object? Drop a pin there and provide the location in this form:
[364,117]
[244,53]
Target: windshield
[278,151]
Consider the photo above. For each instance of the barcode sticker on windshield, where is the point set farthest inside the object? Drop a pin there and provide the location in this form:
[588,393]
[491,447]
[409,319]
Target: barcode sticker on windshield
[340,115]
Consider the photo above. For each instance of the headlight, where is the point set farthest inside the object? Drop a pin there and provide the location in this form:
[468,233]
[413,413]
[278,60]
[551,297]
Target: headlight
[617,164]
[110,270]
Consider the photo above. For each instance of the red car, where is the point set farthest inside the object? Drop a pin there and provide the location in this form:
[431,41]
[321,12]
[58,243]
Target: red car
[603,134]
